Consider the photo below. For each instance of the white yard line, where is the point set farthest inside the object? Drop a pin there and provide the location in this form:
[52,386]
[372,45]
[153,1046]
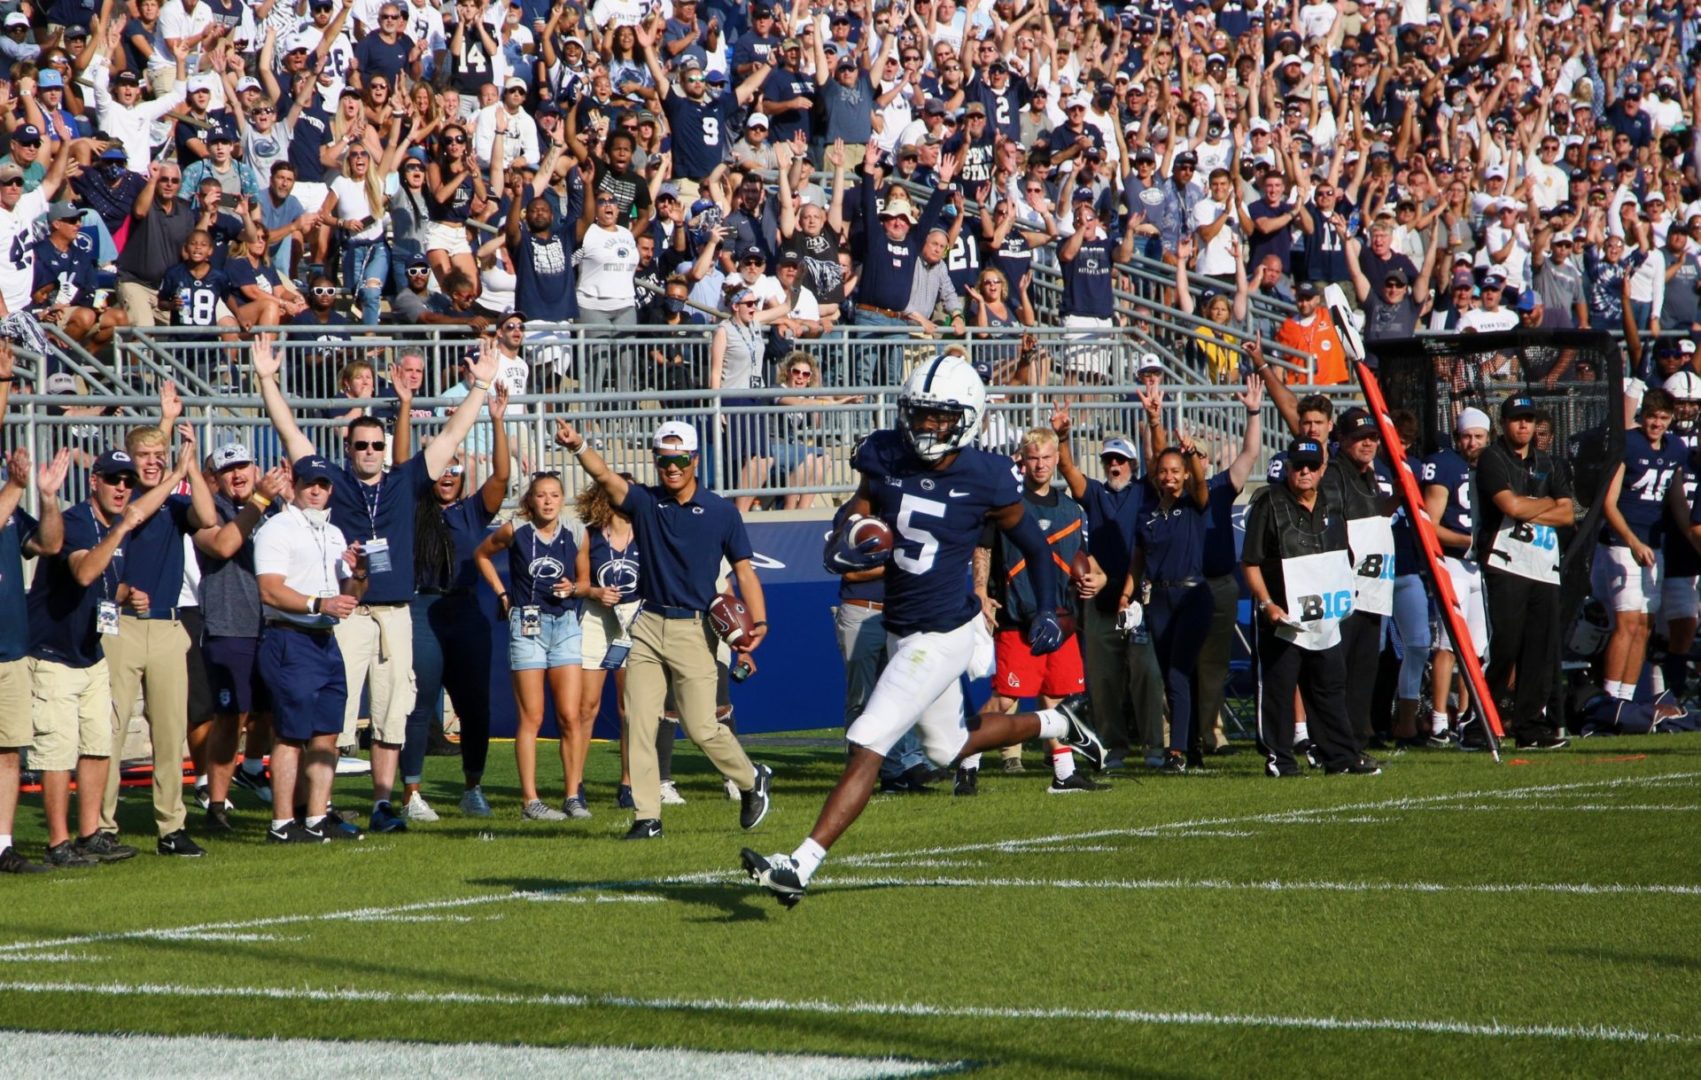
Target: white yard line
[1219,885]
[1590,1033]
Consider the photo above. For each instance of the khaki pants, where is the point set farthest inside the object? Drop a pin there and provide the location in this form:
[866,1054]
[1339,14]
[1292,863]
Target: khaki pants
[139,303]
[683,649]
[1124,685]
[377,644]
[1214,661]
[150,655]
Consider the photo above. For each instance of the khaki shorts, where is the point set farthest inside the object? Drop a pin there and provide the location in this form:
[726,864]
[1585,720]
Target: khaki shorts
[16,729]
[600,625]
[72,713]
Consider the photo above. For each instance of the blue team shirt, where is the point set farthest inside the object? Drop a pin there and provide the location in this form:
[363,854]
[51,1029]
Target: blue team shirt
[699,132]
[613,568]
[1449,469]
[386,509]
[1648,473]
[684,543]
[1219,555]
[62,612]
[14,632]
[1086,281]
[71,270]
[543,272]
[154,555]
[197,298]
[535,565]
[469,523]
[1173,540]
[1111,520]
[936,517]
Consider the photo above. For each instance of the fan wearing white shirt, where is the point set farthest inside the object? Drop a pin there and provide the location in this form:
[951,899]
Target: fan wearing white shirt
[1215,224]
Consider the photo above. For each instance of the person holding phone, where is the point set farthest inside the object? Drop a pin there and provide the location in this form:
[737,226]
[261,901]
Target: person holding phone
[357,205]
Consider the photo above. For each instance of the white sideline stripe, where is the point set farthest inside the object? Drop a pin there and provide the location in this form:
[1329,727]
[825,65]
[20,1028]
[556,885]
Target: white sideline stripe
[575,893]
[145,1057]
[1567,808]
[1155,884]
[1281,817]
[1594,1033]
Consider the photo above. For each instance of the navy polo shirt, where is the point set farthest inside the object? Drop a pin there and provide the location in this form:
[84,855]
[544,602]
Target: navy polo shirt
[469,523]
[154,555]
[14,632]
[1220,555]
[385,509]
[1111,519]
[61,611]
[683,544]
[1173,540]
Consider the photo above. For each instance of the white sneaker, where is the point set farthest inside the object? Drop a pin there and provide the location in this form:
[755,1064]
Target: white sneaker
[732,792]
[474,804]
[417,809]
[349,765]
[670,795]
[538,810]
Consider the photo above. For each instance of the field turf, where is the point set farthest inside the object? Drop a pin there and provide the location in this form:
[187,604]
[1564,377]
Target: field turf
[1448,918]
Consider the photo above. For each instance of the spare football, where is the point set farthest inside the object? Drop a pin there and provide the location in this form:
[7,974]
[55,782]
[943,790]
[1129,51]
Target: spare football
[870,529]
[731,620]
[1081,566]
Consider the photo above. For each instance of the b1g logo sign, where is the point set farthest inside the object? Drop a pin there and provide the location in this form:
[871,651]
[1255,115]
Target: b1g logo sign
[1544,537]
[1331,605]
[1377,565]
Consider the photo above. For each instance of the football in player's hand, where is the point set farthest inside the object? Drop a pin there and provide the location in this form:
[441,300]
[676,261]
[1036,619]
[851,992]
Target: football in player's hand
[870,535]
[731,620]
[1081,566]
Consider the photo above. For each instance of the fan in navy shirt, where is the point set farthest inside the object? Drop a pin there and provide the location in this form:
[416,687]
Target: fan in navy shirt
[788,95]
[700,122]
[389,52]
[542,250]
[192,289]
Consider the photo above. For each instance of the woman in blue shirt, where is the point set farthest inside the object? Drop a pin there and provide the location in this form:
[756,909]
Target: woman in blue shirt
[541,603]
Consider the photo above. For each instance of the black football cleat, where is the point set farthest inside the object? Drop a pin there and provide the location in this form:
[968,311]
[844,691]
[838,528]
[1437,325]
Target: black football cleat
[776,873]
[1080,737]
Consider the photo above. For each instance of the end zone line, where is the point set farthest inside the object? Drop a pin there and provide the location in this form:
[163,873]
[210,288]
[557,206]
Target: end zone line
[1592,1033]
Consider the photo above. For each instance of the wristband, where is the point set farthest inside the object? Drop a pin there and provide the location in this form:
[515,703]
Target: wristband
[481,384]
[760,622]
[578,450]
[312,605]
[263,502]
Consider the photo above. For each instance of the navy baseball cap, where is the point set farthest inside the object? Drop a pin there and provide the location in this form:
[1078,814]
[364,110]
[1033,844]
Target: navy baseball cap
[115,463]
[1356,423]
[311,468]
[1305,452]
[1517,405]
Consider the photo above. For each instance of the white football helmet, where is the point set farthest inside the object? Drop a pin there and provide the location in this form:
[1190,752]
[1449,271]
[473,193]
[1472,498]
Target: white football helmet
[944,384]
[1685,389]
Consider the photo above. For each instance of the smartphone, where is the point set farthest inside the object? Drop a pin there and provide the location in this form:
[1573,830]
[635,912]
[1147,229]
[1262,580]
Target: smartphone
[228,201]
[364,223]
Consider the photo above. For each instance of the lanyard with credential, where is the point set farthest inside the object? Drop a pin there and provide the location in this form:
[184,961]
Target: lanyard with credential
[371,502]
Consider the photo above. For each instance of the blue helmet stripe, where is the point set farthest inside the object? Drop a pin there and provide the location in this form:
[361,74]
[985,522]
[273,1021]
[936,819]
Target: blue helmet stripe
[927,387]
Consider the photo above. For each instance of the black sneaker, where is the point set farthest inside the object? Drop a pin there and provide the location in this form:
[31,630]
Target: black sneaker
[104,847]
[1080,737]
[1079,781]
[1195,759]
[753,804]
[1308,750]
[203,795]
[644,829]
[64,856]
[1364,766]
[334,827]
[776,873]
[260,783]
[1174,764]
[912,782]
[218,819]
[386,820]
[1548,742]
[179,844]
[296,833]
[13,863]
[967,782]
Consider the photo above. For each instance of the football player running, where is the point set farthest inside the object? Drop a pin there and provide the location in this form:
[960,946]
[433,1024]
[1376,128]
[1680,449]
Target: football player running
[935,491]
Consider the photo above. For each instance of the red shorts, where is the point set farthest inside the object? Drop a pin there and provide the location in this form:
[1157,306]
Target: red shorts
[1021,674]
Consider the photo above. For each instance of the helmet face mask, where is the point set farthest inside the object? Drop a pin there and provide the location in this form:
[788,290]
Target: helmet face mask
[946,386]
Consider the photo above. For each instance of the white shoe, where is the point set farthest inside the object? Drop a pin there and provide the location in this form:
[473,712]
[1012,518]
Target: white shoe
[349,765]
[670,795]
[417,809]
[732,792]
[474,804]
[538,810]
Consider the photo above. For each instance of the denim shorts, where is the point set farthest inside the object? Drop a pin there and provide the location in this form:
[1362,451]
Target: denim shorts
[556,646]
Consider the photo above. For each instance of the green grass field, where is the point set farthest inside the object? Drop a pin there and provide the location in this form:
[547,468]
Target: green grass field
[1450,917]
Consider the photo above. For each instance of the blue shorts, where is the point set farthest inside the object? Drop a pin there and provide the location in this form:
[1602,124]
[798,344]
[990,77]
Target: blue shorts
[304,671]
[234,676]
[556,646]
[788,456]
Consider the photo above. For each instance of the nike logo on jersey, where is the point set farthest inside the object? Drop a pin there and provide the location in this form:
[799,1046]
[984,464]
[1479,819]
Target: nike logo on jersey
[955,494]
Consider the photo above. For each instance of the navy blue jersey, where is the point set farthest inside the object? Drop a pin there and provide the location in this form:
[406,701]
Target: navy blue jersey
[14,632]
[1681,558]
[1408,554]
[193,301]
[614,568]
[1086,281]
[1172,541]
[936,517]
[699,132]
[543,273]
[154,562]
[783,85]
[535,565]
[61,611]
[1648,473]
[1448,469]
[962,262]
[72,272]
[1014,259]
[364,512]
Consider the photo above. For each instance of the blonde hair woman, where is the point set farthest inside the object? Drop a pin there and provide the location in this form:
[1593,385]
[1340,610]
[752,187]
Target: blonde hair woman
[356,203]
[1221,352]
[797,463]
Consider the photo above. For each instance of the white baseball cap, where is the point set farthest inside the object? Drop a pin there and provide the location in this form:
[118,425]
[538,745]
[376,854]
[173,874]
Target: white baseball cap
[231,454]
[1472,420]
[675,431]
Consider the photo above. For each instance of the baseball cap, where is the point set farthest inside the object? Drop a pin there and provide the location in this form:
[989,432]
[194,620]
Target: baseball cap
[114,463]
[1305,452]
[48,79]
[126,78]
[247,82]
[1117,446]
[934,107]
[756,119]
[1493,172]
[791,258]
[1355,423]
[1527,301]
[974,108]
[1471,420]
[64,211]
[222,134]
[1149,362]
[17,18]
[1306,288]
[311,468]
[61,383]
[1463,280]
[753,251]
[675,430]
[231,455]
[514,82]
[1517,405]
[10,172]
[28,134]
[1495,277]
[1396,275]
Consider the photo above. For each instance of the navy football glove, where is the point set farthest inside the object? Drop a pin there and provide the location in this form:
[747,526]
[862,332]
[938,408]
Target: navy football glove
[843,557]
[1044,634]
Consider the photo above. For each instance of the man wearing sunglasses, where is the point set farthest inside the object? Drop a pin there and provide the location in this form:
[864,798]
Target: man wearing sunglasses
[700,123]
[1300,576]
[376,509]
[684,532]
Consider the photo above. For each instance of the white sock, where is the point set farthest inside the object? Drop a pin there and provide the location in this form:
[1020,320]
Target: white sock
[1437,722]
[1613,688]
[1626,692]
[1052,724]
[313,822]
[808,857]
[970,762]
[201,780]
[1300,732]
[5,841]
[1062,763]
[281,825]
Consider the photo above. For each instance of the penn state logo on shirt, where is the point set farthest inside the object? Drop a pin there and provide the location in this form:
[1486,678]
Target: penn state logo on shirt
[546,568]
[619,574]
[926,484]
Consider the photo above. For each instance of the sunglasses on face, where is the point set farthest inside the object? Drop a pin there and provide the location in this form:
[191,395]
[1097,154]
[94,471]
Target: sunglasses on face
[12,183]
[324,290]
[795,372]
[122,480]
[513,324]
[366,444]
[1299,467]
[673,461]
[456,139]
[418,271]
